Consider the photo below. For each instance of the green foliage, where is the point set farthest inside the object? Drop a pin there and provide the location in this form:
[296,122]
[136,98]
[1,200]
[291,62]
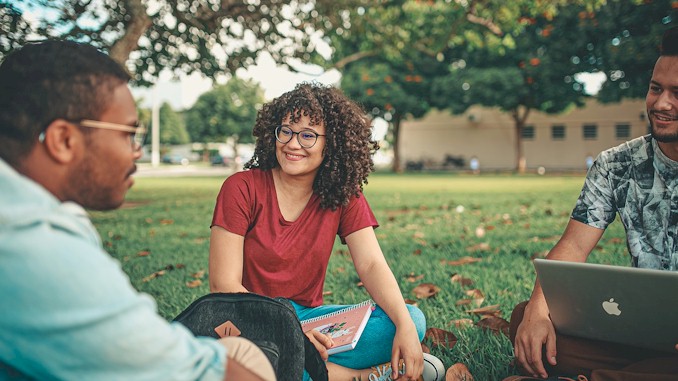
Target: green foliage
[13,28]
[228,110]
[184,36]
[165,227]
[624,44]
[172,126]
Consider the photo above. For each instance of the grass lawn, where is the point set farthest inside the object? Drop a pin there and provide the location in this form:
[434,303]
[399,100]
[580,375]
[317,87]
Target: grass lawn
[161,237]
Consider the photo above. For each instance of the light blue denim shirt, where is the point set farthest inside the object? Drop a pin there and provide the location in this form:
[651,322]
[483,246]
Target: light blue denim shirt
[68,311]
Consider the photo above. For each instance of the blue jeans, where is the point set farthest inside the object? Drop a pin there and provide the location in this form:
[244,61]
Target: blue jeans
[376,342]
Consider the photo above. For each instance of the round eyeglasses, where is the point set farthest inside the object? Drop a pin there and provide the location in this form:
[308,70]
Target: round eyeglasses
[306,138]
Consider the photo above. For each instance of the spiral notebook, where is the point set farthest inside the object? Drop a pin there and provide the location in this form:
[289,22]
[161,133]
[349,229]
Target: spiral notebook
[344,326]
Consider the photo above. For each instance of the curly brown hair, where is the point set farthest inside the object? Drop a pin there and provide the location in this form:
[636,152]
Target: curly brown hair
[348,149]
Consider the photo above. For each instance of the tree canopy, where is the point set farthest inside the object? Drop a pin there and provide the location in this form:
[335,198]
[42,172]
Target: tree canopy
[226,111]
[208,36]
[173,128]
[518,56]
[393,54]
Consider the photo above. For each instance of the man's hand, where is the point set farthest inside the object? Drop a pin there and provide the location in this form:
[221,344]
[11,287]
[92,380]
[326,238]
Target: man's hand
[321,342]
[534,331]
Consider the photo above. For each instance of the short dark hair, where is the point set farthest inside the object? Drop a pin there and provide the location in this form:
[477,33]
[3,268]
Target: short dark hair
[670,42]
[47,80]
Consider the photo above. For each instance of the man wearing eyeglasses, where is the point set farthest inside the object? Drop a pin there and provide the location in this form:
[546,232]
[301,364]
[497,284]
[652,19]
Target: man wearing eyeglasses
[69,139]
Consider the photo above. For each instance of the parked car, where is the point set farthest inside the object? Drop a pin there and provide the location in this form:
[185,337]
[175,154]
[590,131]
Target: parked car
[218,160]
[175,159]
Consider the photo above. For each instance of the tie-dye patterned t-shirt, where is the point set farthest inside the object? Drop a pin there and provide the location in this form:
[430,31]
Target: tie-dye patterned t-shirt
[638,181]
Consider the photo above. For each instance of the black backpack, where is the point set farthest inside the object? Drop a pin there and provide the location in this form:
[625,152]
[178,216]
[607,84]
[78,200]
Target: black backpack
[270,323]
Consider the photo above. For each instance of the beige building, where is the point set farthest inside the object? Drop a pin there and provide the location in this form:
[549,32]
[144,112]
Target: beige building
[555,142]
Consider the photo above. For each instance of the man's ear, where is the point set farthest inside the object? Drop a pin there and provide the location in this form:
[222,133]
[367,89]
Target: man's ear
[62,140]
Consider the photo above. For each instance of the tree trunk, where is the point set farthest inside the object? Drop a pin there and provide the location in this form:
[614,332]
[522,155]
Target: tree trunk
[520,118]
[397,167]
[137,25]
[237,165]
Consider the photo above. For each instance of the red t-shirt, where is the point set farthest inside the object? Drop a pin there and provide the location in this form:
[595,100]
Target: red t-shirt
[283,258]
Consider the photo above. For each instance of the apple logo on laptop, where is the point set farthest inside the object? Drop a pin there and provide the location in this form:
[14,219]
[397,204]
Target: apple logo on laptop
[611,307]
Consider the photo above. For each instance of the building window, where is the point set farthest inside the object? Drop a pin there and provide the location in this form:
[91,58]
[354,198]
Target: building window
[590,132]
[622,131]
[558,132]
[528,133]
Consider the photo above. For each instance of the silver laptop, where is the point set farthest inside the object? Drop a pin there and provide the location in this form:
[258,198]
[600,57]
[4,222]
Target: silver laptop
[618,304]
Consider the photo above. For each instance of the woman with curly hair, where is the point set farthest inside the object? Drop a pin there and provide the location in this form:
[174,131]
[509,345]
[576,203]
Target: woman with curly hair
[274,227]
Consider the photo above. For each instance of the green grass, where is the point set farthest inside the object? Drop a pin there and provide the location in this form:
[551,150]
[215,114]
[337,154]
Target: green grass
[422,224]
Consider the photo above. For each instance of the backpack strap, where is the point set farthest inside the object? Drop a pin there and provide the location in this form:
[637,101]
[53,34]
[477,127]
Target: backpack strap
[314,364]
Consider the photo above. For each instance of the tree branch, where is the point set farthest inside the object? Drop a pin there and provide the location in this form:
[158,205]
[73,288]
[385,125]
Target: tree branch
[352,58]
[491,26]
[138,23]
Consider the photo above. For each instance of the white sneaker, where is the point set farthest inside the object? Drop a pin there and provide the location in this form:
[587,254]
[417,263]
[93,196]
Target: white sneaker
[434,370]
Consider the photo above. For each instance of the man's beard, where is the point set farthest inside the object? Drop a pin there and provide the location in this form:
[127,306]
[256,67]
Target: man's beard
[660,136]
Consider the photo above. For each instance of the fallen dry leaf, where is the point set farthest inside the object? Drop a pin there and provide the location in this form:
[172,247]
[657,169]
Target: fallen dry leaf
[461,323]
[180,265]
[144,253]
[492,310]
[418,235]
[166,222]
[194,283]
[411,302]
[154,275]
[441,338]
[414,278]
[484,246]
[456,278]
[458,372]
[476,295]
[494,324]
[480,232]
[463,261]
[425,290]
[325,293]
[198,275]
[425,348]
[463,302]
[416,252]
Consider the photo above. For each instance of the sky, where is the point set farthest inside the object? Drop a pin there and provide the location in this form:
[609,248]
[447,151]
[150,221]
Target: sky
[181,94]
[275,80]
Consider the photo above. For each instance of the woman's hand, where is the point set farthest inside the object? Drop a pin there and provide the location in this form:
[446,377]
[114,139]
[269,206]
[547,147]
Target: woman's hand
[406,346]
[321,342]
